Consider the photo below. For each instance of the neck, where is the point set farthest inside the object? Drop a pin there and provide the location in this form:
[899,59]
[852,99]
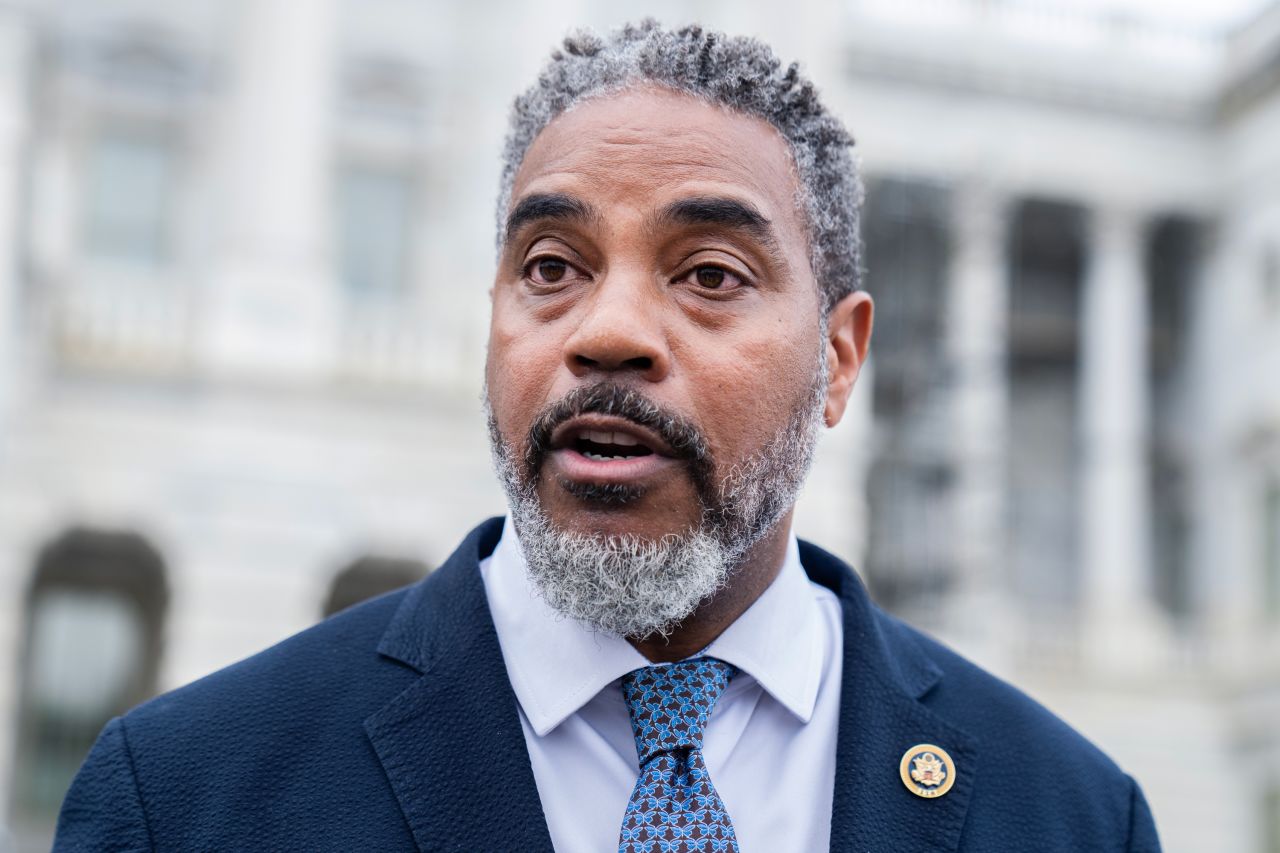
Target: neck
[746,583]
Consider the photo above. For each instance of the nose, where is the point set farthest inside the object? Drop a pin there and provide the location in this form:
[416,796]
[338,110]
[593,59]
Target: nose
[620,331]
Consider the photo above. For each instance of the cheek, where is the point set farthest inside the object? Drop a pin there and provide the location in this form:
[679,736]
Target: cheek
[750,390]
[519,371]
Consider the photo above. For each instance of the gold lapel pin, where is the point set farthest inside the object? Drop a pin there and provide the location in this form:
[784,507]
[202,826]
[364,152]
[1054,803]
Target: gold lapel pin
[927,770]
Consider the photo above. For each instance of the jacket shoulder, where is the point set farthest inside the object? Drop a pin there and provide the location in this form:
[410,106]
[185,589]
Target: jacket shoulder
[312,670]
[998,715]
[274,744]
[1034,768]
[992,709]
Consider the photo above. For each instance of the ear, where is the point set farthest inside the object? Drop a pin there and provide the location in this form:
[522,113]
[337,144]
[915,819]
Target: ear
[848,337]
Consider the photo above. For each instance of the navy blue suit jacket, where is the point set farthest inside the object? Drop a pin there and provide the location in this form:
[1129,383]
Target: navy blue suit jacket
[392,726]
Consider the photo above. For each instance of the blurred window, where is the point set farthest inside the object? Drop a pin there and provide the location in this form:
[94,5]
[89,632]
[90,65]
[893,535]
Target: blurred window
[1271,549]
[93,628]
[83,648]
[369,577]
[128,191]
[375,221]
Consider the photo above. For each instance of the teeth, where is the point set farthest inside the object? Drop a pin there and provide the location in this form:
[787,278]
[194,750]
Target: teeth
[600,457]
[601,437]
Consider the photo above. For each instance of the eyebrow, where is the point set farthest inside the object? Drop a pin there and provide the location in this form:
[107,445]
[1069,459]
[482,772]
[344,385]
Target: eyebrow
[541,206]
[723,212]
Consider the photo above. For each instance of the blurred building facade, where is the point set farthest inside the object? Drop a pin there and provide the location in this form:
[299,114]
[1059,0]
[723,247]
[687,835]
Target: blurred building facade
[244,258]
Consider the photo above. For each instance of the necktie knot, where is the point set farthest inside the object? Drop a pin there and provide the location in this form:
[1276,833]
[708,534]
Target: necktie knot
[670,705]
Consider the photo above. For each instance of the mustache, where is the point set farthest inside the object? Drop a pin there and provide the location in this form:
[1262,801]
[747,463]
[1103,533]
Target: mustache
[686,441]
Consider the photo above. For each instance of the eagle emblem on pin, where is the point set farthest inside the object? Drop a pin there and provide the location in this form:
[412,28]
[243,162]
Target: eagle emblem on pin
[927,770]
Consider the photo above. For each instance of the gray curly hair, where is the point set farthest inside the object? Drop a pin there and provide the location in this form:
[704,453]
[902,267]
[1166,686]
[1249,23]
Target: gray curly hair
[739,73]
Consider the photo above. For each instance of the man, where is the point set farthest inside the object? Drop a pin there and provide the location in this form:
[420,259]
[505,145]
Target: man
[641,657]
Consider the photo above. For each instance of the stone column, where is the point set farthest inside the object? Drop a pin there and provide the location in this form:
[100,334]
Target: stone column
[1224,493]
[1119,622]
[271,309]
[977,348]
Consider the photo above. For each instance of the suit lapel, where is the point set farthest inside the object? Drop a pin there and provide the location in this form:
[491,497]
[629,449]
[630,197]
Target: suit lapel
[452,745]
[885,675]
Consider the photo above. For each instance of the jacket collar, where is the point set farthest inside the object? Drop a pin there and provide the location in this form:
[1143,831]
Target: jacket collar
[886,677]
[451,744]
[454,752]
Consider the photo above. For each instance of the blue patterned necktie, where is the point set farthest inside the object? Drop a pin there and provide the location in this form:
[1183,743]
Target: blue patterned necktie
[674,807]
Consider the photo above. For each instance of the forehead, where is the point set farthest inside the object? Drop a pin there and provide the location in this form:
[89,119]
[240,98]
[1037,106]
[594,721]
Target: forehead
[645,147]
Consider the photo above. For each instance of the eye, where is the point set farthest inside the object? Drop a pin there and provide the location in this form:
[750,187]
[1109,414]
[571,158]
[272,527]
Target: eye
[547,271]
[715,278]
[710,277]
[550,269]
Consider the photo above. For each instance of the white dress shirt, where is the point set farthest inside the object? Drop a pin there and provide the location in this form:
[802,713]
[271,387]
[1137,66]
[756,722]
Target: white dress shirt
[769,745]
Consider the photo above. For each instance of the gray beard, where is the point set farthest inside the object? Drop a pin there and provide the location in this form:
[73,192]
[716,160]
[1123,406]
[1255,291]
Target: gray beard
[634,587]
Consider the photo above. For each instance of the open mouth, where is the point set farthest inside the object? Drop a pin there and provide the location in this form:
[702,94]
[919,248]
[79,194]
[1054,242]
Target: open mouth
[608,446]
[607,449]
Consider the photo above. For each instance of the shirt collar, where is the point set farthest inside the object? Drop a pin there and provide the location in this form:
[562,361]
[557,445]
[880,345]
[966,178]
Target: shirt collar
[778,640]
[557,665]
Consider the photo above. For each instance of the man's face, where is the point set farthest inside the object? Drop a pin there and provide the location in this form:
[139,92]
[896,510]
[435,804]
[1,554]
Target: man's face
[656,259]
